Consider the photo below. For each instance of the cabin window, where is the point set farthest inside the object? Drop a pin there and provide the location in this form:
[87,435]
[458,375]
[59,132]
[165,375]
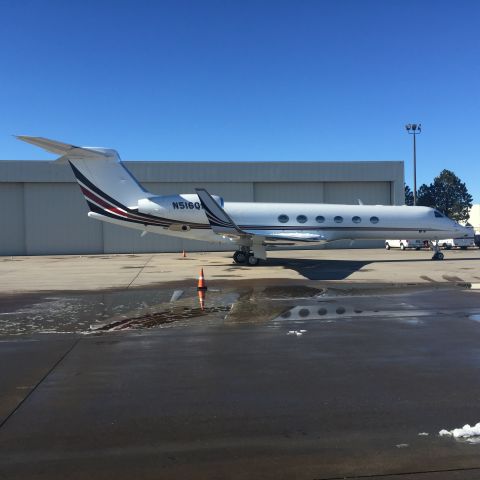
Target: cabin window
[438,214]
[322,311]
[338,219]
[320,219]
[356,219]
[301,219]
[374,219]
[283,218]
[304,312]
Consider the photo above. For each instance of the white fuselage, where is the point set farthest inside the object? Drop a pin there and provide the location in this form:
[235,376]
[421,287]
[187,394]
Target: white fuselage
[114,195]
[334,222]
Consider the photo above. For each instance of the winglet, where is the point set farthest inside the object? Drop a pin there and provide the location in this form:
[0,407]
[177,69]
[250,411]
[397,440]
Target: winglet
[219,219]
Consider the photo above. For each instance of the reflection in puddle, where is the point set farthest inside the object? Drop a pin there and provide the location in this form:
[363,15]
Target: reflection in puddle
[334,312]
[146,308]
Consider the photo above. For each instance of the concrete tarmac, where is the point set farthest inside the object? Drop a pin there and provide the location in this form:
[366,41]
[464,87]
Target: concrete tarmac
[100,272]
[379,369]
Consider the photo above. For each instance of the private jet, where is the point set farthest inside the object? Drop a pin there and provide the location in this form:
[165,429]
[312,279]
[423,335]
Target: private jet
[114,195]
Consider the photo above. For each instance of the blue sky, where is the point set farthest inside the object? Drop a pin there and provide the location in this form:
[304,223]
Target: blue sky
[246,80]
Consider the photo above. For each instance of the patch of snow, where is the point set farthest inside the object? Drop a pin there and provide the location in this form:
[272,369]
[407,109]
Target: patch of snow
[465,432]
[298,333]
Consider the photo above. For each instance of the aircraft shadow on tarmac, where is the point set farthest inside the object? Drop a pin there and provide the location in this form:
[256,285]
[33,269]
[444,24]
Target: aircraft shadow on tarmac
[338,269]
[319,269]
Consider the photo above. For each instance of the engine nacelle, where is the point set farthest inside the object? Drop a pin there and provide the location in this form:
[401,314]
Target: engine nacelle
[184,207]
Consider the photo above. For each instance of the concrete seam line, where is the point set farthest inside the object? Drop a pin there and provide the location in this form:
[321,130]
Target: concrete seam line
[391,475]
[139,272]
[55,365]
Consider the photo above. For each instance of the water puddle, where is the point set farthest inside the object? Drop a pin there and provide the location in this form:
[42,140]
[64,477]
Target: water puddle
[273,305]
[80,313]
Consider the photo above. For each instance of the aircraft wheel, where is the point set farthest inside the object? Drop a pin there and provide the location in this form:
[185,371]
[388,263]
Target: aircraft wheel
[387,246]
[402,246]
[252,261]
[239,257]
[438,256]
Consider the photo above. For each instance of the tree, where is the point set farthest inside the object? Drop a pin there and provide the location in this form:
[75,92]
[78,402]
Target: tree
[408,195]
[448,194]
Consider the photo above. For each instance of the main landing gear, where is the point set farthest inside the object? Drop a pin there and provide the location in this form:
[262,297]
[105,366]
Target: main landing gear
[245,256]
[437,254]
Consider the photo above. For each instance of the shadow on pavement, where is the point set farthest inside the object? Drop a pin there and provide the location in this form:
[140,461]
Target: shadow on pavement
[318,270]
[338,269]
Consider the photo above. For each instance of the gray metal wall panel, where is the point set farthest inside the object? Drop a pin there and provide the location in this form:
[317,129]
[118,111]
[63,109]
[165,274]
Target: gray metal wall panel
[296,192]
[370,193]
[231,192]
[12,221]
[223,172]
[56,221]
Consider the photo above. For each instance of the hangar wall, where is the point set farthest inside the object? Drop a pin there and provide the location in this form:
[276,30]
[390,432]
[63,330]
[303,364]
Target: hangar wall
[43,211]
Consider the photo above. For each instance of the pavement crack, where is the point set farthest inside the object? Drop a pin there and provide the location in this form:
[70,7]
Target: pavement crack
[140,271]
[400,474]
[24,399]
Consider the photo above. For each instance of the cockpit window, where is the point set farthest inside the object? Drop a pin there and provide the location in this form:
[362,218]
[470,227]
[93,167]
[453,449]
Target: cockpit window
[438,214]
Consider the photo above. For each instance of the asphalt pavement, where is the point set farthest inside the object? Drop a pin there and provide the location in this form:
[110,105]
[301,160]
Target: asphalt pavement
[314,382]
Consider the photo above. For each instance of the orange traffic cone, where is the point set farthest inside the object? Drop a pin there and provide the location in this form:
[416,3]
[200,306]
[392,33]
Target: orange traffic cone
[201,281]
[201,299]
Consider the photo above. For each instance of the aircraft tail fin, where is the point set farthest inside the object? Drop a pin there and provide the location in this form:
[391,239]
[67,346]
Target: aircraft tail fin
[99,171]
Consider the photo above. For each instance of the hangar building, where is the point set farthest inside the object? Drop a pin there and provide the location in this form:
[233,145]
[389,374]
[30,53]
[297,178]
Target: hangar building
[44,212]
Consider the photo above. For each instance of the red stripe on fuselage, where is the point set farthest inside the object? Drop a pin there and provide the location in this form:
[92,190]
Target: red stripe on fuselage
[118,211]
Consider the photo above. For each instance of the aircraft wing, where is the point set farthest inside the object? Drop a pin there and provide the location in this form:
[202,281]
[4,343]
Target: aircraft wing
[219,219]
[292,236]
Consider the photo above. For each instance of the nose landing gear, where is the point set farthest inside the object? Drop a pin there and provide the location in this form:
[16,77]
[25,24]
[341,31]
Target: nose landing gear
[437,254]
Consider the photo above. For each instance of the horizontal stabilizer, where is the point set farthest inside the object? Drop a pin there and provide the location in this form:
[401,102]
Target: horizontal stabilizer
[50,145]
[69,151]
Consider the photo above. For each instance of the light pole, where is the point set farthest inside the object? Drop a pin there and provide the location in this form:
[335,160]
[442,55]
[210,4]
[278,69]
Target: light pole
[414,129]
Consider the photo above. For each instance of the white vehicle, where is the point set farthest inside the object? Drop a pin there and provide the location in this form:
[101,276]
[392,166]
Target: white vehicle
[463,243]
[404,244]
[114,195]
